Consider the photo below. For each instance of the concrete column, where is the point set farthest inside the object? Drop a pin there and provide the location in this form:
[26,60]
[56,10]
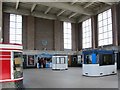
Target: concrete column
[1,31]
[6,27]
[30,33]
[115,26]
[80,36]
[24,32]
[57,36]
[118,19]
[94,31]
[61,37]
[74,37]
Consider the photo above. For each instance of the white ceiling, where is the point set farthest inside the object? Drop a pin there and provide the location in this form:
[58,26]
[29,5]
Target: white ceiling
[75,11]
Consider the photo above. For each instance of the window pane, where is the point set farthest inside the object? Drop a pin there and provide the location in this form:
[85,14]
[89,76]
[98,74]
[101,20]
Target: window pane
[104,15]
[105,33]
[105,41]
[65,46]
[12,17]
[109,13]
[19,18]
[101,30]
[12,24]
[18,37]
[105,22]
[100,42]
[99,17]
[18,25]
[18,31]
[12,41]
[110,34]
[69,25]
[67,36]
[100,36]
[100,24]
[109,20]
[110,40]
[109,27]
[86,35]
[12,37]
[15,29]
[105,28]
[12,31]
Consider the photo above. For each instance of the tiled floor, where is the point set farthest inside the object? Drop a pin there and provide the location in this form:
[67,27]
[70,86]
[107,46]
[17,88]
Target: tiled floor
[71,78]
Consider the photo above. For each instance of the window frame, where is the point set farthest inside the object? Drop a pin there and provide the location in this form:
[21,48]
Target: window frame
[86,34]
[105,32]
[15,36]
[67,30]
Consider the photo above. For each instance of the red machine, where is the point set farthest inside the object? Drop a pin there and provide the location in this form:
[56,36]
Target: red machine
[11,63]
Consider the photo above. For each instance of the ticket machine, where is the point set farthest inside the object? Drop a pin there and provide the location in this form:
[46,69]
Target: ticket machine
[11,73]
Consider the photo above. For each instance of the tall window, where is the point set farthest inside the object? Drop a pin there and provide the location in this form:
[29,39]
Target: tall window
[67,36]
[105,28]
[86,34]
[15,29]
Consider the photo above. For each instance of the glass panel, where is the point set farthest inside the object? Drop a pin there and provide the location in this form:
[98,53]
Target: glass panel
[12,41]
[12,17]
[18,42]
[89,22]
[109,13]
[19,25]
[65,40]
[69,41]
[100,36]
[107,59]
[88,59]
[109,27]
[69,46]
[19,18]
[19,31]
[18,71]
[104,15]
[110,40]
[18,37]
[58,61]
[65,46]
[105,28]
[12,31]
[105,41]
[12,37]
[69,25]
[65,35]
[105,35]
[101,42]
[105,22]
[99,17]
[109,20]
[101,30]
[110,34]
[100,24]
[12,24]
[83,24]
